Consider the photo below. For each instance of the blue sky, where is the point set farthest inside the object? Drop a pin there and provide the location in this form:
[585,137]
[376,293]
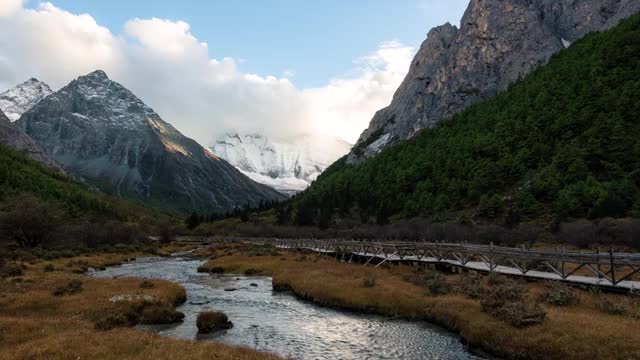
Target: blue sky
[280,68]
[317,40]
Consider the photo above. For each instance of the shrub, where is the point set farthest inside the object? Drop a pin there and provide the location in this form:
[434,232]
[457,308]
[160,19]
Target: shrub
[418,277]
[507,300]
[211,321]
[521,314]
[559,294]
[604,304]
[49,268]
[369,280]
[160,314]
[495,279]
[29,222]
[11,270]
[70,288]
[146,284]
[211,269]
[498,295]
[438,285]
[471,285]
[112,321]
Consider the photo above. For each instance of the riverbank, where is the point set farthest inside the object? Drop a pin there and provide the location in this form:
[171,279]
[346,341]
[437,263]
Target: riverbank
[49,309]
[578,331]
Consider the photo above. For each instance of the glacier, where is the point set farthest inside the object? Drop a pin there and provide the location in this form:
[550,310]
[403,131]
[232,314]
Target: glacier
[288,165]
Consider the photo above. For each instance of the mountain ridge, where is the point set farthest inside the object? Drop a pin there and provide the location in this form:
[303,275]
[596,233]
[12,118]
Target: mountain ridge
[12,137]
[102,132]
[559,144]
[498,43]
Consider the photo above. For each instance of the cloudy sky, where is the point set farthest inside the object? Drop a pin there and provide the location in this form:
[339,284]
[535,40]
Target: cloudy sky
[279,67]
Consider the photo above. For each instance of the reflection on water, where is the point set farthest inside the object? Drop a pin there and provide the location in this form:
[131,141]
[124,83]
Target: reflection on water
[280,323]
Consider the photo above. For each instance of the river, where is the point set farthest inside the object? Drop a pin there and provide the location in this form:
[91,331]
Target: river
[280,323]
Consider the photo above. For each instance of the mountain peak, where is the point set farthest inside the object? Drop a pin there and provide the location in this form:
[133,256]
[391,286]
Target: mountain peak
[103,133]
[21,98]
[289,165]
[98,74]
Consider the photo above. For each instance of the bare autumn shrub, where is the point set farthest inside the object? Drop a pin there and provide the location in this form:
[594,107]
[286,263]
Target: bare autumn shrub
[70,288]
[471,285]
[608,306]
[210,321]
[369,280]
[28,221]
[521,314]
[438,285]
[507,300]
[559,294]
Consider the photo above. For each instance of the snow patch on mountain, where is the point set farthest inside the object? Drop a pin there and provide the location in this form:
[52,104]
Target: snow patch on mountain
[20,99]
[288,165]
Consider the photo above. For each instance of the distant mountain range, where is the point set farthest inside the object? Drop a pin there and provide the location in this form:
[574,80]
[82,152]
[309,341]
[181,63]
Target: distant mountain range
[498,43]
[289,166]
[99,131]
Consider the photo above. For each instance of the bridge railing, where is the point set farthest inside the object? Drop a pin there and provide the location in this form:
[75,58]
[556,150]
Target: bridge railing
[612,266]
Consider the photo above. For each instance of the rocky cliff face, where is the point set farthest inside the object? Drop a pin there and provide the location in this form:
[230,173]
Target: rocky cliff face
[20,99]
[100,131]
[288,166]
[15,139]
[498,42]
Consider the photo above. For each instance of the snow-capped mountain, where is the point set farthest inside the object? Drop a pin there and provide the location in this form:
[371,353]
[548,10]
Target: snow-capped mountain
[288,165]
[102,132]
[20,99]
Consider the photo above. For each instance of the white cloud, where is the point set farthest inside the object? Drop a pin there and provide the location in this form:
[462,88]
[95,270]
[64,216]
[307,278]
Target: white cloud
[170,69]
[10,7]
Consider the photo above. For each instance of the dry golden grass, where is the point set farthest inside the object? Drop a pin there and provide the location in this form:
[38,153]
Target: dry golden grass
[575,332]
[35,324]
[56,338]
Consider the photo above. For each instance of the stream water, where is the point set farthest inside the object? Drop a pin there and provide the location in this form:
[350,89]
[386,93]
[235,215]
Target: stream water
[280,323]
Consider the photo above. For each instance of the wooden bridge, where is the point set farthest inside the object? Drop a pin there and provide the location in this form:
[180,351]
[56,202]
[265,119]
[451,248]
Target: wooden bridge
[603,269]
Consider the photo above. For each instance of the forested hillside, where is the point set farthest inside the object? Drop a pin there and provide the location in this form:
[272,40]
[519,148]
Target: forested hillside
[561,143]
[40,205]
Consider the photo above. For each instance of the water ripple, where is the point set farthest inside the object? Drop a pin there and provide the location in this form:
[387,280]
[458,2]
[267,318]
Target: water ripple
[280,323]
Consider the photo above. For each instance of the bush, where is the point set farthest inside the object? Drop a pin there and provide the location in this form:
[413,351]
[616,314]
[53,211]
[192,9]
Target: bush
[507,300]
[49,268]
[604,304]
[438,285]
[369,280]
[471,285]
[112,321]
[498,295]
[70,288]
[211,270]
[11,270]
[160,314]
[418,277]
[146,284]
[559,294]
[521,314]
[29,222]
[211,321]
